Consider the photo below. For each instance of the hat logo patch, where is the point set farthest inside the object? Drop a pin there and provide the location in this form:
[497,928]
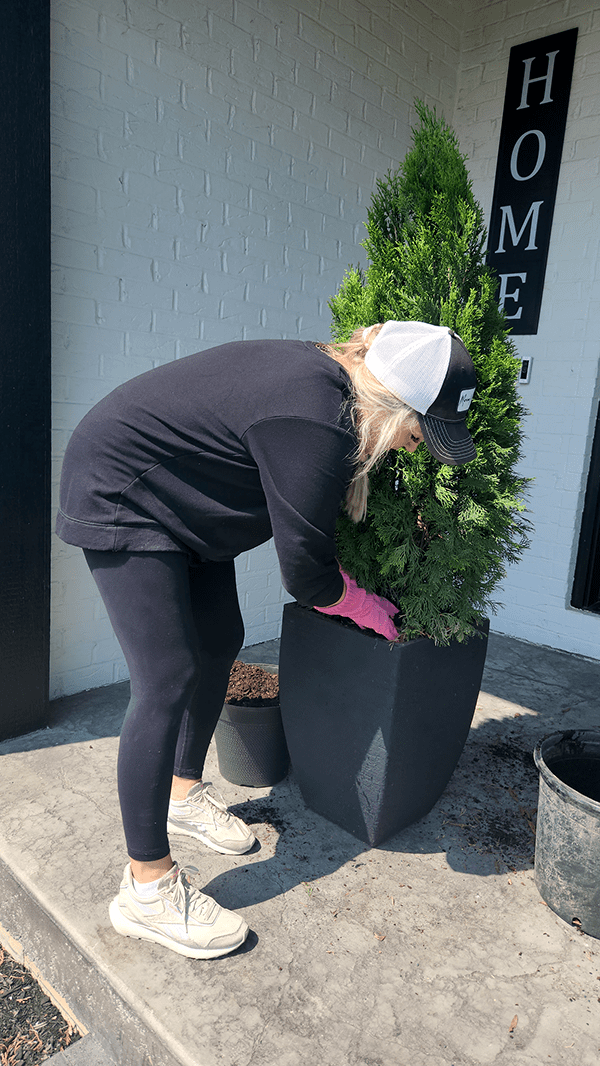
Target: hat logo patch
[464,400]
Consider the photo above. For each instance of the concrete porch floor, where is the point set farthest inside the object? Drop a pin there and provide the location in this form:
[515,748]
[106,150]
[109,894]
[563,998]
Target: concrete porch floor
[421,952]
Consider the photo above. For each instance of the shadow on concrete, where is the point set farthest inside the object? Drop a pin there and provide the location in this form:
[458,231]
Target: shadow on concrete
[74,719]
[484,822]
[100,711]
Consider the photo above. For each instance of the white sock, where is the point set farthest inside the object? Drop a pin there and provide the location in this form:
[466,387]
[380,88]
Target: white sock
[147,888]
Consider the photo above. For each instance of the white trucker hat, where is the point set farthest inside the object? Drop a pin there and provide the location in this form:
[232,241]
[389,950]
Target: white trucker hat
[431,370]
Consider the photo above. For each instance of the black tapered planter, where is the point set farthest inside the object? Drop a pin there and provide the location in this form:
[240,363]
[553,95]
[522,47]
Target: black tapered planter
[374,730]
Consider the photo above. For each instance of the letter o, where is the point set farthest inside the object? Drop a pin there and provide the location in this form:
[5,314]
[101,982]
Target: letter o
[515,155]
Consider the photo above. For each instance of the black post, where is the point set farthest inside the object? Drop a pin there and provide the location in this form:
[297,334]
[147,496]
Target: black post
[24,366]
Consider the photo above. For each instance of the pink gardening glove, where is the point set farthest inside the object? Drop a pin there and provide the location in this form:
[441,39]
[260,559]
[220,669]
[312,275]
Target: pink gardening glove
[365,608]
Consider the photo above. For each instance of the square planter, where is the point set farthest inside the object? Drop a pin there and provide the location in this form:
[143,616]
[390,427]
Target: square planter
[374,730]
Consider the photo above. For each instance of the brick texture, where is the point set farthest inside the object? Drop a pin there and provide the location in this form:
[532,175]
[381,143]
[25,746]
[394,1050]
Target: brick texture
[212,164]
[562,396]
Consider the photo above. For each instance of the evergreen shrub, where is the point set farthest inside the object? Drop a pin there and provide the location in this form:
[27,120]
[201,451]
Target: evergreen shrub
[437,539]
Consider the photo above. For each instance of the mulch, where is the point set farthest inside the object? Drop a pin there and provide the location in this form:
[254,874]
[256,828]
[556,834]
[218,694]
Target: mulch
[31,1027]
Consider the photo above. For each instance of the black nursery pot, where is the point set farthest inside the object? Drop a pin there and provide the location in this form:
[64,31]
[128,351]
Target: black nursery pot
[374,730]
[251,747]
[567,840]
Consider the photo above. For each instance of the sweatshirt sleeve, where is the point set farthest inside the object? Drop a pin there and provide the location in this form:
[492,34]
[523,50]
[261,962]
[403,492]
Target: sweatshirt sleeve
[305,467]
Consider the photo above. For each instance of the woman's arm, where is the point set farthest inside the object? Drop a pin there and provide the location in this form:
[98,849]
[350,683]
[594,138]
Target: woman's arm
[305,466]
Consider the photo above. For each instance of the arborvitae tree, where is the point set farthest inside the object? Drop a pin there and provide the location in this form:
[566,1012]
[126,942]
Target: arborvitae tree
[436,539]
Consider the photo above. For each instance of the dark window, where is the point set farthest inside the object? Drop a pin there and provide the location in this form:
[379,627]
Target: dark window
[586,584]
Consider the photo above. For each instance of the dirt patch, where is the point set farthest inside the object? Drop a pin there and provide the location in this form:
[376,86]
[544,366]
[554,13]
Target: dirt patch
[31,1027]
[251,686]
[490,806]
[506,751]
[261,812]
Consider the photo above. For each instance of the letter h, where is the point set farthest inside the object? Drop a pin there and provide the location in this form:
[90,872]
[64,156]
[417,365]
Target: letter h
[547,78]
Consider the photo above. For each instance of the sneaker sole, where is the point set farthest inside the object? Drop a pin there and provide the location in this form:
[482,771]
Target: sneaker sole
[178,830]
[131,929]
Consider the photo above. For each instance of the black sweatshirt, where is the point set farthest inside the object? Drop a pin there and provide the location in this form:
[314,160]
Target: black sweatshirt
[214,454]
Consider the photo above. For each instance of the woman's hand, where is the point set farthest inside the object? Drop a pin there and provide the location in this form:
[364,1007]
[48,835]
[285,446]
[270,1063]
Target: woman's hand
[365,608]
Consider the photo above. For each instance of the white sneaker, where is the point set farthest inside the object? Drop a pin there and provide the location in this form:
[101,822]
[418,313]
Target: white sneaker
[178,916]
[203,814]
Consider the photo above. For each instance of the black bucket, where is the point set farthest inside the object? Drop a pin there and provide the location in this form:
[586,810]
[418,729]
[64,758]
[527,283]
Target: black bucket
[251,745]
[567,847]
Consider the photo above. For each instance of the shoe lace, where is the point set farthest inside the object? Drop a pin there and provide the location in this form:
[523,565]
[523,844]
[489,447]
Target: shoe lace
[216,804]
[183,895]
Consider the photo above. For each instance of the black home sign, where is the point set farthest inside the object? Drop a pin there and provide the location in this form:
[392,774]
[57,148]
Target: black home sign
[531,141]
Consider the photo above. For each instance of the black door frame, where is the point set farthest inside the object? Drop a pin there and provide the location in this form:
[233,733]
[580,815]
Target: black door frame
[25,366]
[586,580]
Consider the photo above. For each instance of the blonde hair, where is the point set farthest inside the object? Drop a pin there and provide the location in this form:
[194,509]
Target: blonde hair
[377,415]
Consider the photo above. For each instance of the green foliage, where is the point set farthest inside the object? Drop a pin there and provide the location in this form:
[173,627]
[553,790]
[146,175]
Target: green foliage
[437,539]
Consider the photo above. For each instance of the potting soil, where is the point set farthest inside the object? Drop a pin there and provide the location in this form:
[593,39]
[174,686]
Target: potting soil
[251,686]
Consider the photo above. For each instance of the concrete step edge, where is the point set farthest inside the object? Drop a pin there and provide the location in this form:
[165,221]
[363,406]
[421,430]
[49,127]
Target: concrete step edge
[97,998]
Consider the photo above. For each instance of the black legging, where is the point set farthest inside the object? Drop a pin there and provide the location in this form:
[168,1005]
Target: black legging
[180,629]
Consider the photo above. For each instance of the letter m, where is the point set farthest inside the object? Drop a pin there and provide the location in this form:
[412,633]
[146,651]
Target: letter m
[531,218]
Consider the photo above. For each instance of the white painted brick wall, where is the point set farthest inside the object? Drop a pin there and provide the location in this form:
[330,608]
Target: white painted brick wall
[562,396]
[212,165]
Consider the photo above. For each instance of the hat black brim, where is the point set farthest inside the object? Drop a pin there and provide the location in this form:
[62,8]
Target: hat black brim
[449,442]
